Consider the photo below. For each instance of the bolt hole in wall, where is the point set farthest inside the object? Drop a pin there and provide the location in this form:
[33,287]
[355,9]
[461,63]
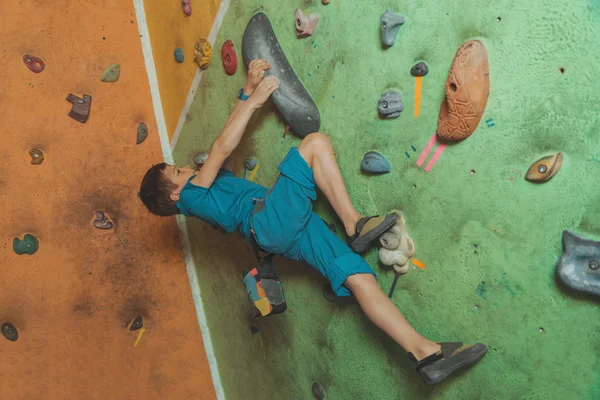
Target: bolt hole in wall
[498,19]
[477,306]
[561,70]
[541,329]
[472,172]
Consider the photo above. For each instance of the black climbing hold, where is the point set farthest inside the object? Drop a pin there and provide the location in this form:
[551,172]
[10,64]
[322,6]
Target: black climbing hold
[37,157]
[419,69]
[254,329]
[10,332]
[101,221]
[136,324]
[291,98]
[318,391]
[29,245]
[142,133]
[375,163]
[81,107]
[578,266]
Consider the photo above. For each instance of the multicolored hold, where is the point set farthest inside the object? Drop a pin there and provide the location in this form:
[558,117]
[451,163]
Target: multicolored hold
[37,157]
[111,74]
[142,133]
[186,7]
[29,245]
[229,57]
[80,111]
[305,24]
[178,54]
[101,221]
[203,53]
[35,64]
[545,168]
[9,331]
[375,163]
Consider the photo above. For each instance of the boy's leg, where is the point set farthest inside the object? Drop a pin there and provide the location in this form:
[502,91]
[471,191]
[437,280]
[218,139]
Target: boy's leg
[317,151]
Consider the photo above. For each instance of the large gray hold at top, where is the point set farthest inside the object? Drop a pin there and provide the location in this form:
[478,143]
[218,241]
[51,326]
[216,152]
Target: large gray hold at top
[390,24]
[291,98]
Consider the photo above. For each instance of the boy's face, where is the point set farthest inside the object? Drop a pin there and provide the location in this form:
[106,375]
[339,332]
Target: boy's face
[179,176]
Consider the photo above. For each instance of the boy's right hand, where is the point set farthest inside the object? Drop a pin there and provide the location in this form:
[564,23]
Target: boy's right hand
[263,91]
[256,73]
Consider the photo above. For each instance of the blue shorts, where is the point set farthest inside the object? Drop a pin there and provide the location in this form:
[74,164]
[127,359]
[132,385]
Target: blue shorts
[286,225]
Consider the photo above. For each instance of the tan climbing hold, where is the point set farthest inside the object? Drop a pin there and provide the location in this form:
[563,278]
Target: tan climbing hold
[467,91]
[545,168]
[396,246]
[203,53]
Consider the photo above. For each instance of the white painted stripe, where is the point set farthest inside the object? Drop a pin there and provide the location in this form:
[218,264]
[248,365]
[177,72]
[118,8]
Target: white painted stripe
[181,221]
[198,77]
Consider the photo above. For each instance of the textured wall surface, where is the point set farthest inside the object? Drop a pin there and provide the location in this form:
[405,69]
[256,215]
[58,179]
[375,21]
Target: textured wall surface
[490,240]
[72,300]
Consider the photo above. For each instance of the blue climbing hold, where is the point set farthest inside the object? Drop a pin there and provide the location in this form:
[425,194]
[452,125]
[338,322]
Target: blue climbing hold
[375,163]
[179,55]
[250,163]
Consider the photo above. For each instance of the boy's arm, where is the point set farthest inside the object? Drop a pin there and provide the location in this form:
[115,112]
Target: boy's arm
[230,137]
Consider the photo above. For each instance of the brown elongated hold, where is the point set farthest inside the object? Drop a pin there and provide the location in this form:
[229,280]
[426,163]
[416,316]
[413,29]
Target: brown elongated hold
[544,168]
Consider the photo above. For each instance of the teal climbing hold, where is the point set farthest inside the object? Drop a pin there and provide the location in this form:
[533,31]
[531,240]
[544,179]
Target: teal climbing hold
[375,163]
[179,55]
[29,245]
[111,74]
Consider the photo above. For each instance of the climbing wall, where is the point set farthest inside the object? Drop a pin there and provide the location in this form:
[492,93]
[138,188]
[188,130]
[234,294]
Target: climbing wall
[83,276]
[489,239]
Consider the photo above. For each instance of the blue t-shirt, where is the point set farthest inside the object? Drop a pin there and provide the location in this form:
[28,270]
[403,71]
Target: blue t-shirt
[228,202]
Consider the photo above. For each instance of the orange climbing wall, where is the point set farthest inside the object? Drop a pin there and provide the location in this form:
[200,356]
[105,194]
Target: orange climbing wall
[169,29]
[73,298]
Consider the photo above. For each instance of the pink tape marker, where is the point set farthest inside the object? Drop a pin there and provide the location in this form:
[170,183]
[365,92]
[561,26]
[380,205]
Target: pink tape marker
[436,156]
[427,150]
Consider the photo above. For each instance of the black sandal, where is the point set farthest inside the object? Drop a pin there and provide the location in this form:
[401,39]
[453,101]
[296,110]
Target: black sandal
[366,232]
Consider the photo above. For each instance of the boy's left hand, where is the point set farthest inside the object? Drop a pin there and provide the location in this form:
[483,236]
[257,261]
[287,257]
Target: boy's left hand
[256,73]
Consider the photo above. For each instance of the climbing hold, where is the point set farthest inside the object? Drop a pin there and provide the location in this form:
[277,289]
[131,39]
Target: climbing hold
[578,266]
[9,331]
[186,7]
[305,24]
[101,221]
[80,111]
[142,133]
[467,91]
[291,99]
[545,168]
[419,69]
[326,1]
[229,57]
[375,163]
[203,53]
[37,157]
[390,24]
[318,391]
[29,245]
[111,74]
[396,246]
[200,158]
[390,105]
[35,64]
[178,54]
[250,163]
[136,323]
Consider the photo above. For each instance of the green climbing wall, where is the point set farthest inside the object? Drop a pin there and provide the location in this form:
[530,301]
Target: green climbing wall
[489,239]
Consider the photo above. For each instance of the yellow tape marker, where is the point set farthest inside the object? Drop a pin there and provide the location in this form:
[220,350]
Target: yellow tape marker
[139,337]
[418,88]
[254,173]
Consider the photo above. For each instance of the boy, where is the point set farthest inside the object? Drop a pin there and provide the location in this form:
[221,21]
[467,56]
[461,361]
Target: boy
[281,221]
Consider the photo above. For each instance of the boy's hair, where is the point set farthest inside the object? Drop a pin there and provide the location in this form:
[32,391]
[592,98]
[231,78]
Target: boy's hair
[156,190]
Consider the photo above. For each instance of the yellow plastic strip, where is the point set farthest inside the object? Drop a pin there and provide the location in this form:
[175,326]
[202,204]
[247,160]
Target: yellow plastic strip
[254,173]
[418,88]
[418,263]
[139,337]
[263,348]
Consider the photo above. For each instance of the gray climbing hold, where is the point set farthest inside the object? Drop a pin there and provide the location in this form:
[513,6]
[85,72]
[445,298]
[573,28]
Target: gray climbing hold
[578,268]
[318,391]
[375,163]
[142,133]
[419,69]
[390,105]
[390,24]
[9,331]
[250,163]
[200,158]
[178,55]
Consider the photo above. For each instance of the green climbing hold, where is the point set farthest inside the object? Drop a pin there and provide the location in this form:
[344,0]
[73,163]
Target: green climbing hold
[111,74]
[179,55]
[29,245]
